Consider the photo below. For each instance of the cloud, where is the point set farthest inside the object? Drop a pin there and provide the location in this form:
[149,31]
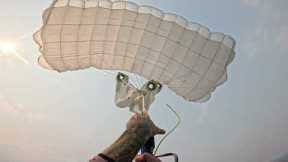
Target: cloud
[7,108]
[18,111]
[282,39]
[28,153]
[204,107]
[269,33]
[8,153]
[283,158]
[251,3]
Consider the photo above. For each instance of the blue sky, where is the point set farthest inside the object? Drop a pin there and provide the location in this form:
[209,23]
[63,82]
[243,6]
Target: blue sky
[69,117]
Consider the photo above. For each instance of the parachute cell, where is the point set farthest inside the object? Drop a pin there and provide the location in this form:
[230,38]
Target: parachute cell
[120,35]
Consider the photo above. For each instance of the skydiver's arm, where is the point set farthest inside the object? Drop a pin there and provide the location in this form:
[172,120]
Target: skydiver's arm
[139,129]
[146,157]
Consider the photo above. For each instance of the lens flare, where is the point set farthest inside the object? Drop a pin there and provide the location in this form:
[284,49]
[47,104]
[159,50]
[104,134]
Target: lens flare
[9,49]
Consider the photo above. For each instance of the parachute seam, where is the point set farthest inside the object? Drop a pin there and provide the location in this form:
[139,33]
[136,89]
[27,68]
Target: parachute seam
[61,34]
[163,14]
[173,54]
[134,26]
[201,50]
[78,35]
[91,38]
[155,33]
[105,35]
[45,26]
[133,57]
[117,37]
[160,53]
[130,35]
[135,75]
[187,53]
[116,42]
[134,64]
[127,43]
[190,48]
[150,49]
[205,74]
[199,54]
[231,56]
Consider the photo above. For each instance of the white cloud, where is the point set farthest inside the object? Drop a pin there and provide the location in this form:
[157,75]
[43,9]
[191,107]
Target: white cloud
[270,31]
[204,107]
[283,158]
[251,3]
[7,108]
[18,111]
[282,39]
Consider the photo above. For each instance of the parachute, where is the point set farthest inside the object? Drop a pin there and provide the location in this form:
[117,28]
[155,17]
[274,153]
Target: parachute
[143,40]
[138,100]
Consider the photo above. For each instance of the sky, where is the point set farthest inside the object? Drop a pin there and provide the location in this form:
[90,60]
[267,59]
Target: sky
[69,117]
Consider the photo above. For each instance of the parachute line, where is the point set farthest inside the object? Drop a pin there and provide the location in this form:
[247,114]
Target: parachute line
[172,130]
[106,73]
[132,80]
[136,80]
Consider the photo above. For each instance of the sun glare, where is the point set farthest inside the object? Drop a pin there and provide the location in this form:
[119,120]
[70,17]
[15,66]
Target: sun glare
[7,48]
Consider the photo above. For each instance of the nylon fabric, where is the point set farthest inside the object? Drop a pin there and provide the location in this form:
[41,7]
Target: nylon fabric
[123,36]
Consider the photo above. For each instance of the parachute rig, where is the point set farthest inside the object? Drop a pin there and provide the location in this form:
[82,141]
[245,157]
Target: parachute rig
[139,101]
[116,35]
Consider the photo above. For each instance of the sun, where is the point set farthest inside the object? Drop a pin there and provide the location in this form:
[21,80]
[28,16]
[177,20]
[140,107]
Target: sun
[7,48]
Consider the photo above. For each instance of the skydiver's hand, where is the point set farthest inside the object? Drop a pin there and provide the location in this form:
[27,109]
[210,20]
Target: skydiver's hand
[146,157]
[143,120]
[140,129]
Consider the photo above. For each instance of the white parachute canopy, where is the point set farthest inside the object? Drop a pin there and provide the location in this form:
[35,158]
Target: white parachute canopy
[123,36]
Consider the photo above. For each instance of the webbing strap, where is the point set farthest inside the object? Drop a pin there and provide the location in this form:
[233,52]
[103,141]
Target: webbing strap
[169,154]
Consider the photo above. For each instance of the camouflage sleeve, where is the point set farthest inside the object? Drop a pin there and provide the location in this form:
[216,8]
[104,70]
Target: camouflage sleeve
[101,158]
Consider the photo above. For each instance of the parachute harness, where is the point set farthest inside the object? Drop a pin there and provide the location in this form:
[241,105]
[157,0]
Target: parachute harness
[140,100]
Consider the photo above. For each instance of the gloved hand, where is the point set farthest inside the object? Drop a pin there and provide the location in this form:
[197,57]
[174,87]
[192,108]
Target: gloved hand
[146,157]
[140,129]
[145,124]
